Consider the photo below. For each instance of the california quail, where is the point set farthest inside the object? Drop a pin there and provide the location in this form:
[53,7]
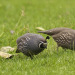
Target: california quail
[31,44]
[64,37]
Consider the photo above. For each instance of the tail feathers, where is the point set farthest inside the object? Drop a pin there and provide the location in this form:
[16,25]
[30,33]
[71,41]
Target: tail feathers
[45,32]
[53,31]
[48,32]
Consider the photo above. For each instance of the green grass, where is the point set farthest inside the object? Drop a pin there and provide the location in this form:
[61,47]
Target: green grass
[44,13]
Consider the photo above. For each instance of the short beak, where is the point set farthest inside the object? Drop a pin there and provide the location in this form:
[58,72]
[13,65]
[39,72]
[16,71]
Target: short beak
[45,45]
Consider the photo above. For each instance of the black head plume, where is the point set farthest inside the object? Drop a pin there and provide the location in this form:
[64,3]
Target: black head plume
[47,37]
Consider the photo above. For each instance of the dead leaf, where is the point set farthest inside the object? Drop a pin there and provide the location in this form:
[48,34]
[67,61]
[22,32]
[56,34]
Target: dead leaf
[7,48]
[12,31]
[5,55]
[40,28]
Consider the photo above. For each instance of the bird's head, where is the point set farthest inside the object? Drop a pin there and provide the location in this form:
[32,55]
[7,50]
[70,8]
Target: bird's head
[43,44]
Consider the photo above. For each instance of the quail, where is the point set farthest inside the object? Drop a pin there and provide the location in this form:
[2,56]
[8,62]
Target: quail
[64,37]
[31,44]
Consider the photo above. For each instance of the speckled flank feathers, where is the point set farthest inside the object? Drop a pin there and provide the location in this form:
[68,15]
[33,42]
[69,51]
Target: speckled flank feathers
[64,37]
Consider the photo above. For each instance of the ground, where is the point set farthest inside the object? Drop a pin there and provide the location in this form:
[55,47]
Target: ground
[18,17]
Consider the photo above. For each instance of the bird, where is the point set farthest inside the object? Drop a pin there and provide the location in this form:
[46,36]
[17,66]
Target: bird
[31,44]
[64,37]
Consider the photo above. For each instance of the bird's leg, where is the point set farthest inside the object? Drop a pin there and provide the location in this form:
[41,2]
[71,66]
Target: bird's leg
[31,57]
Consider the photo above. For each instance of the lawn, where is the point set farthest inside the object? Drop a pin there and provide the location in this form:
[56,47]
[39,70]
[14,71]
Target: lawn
[22,16]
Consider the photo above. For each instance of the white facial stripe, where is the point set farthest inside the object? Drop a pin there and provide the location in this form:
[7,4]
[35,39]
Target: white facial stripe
[39,44]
